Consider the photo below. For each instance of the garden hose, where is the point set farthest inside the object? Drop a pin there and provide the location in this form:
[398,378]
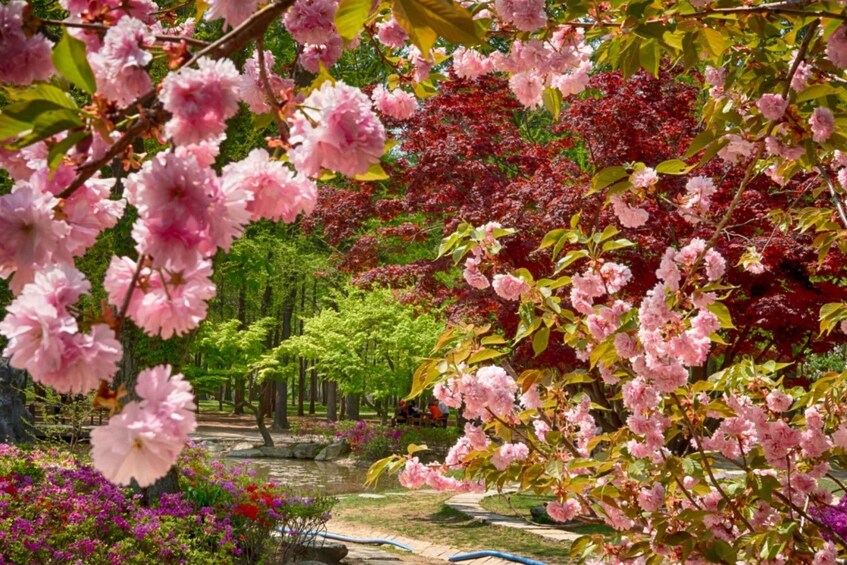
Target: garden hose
[500,554]
[363,541]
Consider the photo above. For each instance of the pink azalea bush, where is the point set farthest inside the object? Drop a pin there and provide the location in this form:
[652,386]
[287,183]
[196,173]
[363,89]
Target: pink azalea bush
[55,508]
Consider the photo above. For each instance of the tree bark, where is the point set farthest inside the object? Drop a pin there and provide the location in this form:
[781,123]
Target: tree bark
[15,419]
[331,401]
[281,410]
[240,381]
[353,406]
[313,388]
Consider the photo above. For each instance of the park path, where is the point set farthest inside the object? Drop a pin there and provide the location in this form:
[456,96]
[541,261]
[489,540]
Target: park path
[468,503]
[425,551]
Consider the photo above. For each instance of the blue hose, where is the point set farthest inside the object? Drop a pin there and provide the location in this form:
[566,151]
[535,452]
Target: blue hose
[500,554]
[363,541]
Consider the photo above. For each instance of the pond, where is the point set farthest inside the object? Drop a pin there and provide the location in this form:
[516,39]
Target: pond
[318,476]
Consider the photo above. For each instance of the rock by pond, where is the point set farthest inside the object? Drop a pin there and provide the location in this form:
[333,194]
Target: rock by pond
[333,451]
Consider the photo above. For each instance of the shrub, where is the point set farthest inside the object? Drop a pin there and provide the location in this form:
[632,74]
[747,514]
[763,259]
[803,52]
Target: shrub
[55,509]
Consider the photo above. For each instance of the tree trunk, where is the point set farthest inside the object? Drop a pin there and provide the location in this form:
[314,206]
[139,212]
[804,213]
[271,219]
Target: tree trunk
[313,388]
[281,409]
[331,401]
[239,381]
[15,419]
[353,406]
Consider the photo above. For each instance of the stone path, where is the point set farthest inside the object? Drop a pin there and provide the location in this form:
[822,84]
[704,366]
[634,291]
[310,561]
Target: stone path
[468,503]
[425,552]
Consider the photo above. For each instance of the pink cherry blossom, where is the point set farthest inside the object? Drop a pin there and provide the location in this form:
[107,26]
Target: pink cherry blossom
[778,401]
[644,178]
[118,281]
[35,330]
[391,34]
[615,276]
[575,81]
[801,76]
[448,392]
[169,397]
[469,63]
[398,104]
[772,106]
[326,54]
[336,129]
[698,199]
[31,234]
[628,216]
[133,446]
[736,149]
[509,453]
[563,511]
[498,389]
[625,346]
[89,211]
[87,359]
[277,193]
[311,21]
[25,58]
[836,47]
[200,100]
[526,15]
[173,196]
[414,474]
[253,91]
[531,400]
[822,122]
[233,12]
[652,499]
[509,287]
[175,302]
[473,276]
[541,429]
[528,88]
[828,555]
[715,265]
[120,63]
[714,76]
[638,395]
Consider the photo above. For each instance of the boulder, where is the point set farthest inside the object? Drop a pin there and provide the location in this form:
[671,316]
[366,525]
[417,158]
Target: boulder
[333,451]
[307,450]
[322,550]
[278,452]
[251,453]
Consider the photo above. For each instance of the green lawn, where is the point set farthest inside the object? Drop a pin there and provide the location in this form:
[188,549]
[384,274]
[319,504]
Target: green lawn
[426,517]
[519,505]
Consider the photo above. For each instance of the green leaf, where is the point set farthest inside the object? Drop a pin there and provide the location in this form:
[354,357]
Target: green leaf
[375,172]
[702,140]
[551,237]
[414,448]
[617,244]
[673,167]
[351,16]
[69,59]
[552,98]
[200,7]
[606,177]
[713,41]
[540,340]
[426,20]
[58,151]
[649,55]
[816,91]
[484,355]
[720,310]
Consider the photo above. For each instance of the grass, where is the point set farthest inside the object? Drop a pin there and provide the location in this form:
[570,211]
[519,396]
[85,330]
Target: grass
[211,406]
[425,517]
[519,505]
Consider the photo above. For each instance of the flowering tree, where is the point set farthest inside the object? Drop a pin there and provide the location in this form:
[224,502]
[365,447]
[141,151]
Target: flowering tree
[86,85]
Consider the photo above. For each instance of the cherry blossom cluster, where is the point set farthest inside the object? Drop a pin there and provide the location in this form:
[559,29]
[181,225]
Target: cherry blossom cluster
[25,58]
[142,442]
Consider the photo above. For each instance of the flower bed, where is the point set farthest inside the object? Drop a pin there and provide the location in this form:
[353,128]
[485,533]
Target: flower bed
[370,441]
[55,509]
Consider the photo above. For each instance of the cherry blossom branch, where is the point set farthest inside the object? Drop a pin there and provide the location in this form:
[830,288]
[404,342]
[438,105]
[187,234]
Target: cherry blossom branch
[698,438]
[132,284]
[104,28]
[266,85]
[173,9]
[226,45]
[836,198]
[811,519]
[748,175]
